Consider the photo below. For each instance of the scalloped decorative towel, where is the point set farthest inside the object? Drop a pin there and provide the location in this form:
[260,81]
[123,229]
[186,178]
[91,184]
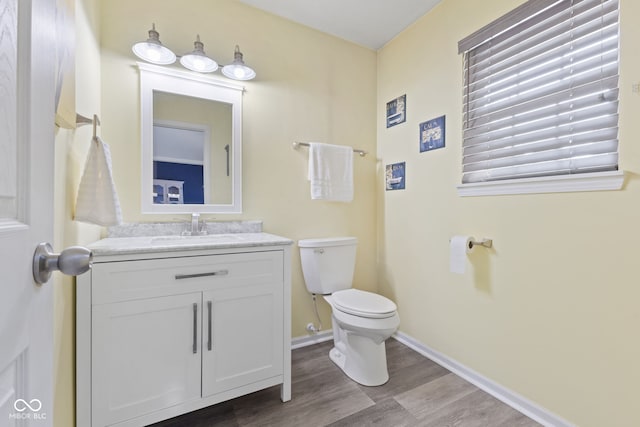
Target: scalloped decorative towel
[97,200]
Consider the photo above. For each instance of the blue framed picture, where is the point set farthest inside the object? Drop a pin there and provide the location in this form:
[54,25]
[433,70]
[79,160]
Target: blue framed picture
[396,111]
[432,134]
[395,176]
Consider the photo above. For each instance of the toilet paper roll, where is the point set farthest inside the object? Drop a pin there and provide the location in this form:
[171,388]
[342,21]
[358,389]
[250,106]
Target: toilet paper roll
[459,247]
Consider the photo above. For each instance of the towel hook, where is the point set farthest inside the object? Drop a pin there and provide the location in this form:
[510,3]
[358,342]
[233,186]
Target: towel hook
[96,123]
[82,120]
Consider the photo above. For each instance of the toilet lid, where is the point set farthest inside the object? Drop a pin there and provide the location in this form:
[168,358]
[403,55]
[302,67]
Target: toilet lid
[363,304]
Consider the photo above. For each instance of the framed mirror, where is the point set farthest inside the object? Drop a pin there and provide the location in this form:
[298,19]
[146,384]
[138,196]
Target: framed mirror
[191,129]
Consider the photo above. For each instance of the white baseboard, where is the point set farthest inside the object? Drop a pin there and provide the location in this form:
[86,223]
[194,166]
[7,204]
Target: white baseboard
[299,342]
[517,402]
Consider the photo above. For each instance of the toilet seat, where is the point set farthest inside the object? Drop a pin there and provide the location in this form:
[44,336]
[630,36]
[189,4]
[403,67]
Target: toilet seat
[363,304]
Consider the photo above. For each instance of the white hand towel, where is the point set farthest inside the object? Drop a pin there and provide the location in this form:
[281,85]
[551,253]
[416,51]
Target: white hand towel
[97,200]
[331,172]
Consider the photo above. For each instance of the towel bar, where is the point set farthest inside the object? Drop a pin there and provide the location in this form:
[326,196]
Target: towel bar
[296,145]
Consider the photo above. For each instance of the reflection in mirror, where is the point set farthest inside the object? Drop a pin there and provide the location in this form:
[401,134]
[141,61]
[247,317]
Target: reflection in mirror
[191,146]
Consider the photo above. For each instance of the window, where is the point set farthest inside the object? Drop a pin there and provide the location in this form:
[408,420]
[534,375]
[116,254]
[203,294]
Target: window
[541,98]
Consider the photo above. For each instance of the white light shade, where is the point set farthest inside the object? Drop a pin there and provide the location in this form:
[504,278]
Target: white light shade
[198,60]
[153,51]
[199,63]
[238,70]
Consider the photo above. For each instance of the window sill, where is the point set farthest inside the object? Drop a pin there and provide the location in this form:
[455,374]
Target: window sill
[599,181]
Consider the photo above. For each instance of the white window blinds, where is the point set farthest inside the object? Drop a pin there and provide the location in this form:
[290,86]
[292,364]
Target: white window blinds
[541,92]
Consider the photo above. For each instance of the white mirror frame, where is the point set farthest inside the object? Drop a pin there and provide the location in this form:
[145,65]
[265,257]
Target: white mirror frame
[165,79]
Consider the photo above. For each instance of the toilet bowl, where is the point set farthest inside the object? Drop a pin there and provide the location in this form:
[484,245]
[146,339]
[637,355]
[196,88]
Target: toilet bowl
[361,320]
[359,348]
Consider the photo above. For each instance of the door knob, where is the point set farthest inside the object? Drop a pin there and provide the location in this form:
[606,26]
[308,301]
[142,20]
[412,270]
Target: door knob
[73,261]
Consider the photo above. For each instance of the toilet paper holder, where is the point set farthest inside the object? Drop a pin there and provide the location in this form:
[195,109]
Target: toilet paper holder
[487,243]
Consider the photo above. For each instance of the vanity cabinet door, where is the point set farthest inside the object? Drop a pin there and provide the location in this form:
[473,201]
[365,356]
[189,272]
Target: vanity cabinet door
[242,339]
[146,356]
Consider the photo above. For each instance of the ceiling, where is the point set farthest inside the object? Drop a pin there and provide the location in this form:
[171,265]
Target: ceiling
[369,23]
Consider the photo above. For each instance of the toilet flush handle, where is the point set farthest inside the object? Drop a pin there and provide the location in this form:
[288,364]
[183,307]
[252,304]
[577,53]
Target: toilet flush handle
[319,251]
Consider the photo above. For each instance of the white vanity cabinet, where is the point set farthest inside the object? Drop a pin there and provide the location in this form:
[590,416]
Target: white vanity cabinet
[160,334]
[141,360]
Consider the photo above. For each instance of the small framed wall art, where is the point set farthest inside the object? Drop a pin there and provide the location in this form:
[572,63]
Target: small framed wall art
[395,176]
[432,134]
[396,111]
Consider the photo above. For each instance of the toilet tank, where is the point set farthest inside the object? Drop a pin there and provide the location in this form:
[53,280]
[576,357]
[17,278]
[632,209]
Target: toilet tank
[327,264]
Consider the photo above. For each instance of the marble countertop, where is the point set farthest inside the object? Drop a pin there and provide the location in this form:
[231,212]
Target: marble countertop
[140,229]
[170,243]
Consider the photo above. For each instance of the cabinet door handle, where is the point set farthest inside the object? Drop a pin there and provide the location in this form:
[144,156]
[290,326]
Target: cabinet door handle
[210,342]
[211,273]
[195,328]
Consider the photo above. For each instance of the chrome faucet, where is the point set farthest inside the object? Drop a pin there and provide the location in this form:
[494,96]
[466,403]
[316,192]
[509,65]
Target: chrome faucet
[197,227]
[195,224]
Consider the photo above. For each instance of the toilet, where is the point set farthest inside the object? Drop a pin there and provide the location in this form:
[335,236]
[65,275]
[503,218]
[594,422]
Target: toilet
[362,321]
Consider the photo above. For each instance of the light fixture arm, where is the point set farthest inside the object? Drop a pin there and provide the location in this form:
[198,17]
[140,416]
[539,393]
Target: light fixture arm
[237,55]
[154,36]
[198,45]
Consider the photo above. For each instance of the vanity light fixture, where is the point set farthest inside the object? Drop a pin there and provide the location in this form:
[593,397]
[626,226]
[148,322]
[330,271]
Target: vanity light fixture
[153,51]
[198,60]
[237,70]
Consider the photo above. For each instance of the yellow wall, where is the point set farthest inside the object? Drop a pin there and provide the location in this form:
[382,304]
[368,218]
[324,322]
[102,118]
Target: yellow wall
[305,91]
[70,154]
[552,311]
[310,87]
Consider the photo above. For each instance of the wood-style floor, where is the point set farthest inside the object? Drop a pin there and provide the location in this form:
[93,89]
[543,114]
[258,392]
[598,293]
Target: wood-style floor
[419,393]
